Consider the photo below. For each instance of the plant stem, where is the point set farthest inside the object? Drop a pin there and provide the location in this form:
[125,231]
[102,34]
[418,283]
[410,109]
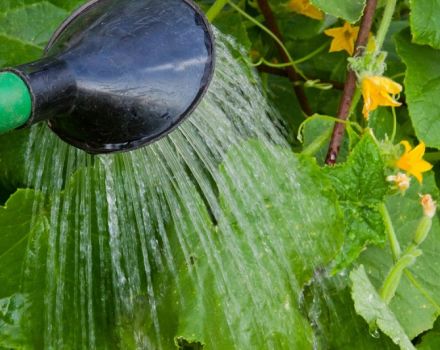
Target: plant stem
[391,234]
[312,54]
[273,36]
[393,278]
[385,23]
[282,73]
[350,84]
[393,134]
[291,71]
[215,9]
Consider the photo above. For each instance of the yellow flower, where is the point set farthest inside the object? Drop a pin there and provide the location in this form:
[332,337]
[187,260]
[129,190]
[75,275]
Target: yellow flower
[376,91]
[412,160]
[344,38]
[304,7]
[401,181]
[429,205]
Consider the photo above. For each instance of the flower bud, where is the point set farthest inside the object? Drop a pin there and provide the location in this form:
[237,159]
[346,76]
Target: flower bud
[401,181]
[429,205]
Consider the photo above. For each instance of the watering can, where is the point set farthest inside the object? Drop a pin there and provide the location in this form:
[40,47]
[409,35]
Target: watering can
[116,75]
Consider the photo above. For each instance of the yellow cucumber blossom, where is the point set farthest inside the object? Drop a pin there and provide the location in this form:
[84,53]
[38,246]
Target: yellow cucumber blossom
[344,38]
[376,91]
[412,160]
[304,7]
[401,181]
[429,205]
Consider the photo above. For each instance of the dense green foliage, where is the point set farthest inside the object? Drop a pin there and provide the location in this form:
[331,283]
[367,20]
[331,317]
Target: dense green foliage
[343,208]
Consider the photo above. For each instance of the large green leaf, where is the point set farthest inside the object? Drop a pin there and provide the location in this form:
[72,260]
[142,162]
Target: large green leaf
[299,203]
[15,227]
[422,87]
[25,29]
[350,10]
[417,300]
[336,323]
[22,226]
[373,309]
[425,26]
[281,222]
[360,185]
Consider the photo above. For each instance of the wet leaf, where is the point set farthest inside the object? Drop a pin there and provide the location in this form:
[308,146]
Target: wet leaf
[239,289]
[15,228]
[336,323]
[374,310]
[361,186]
[14,314]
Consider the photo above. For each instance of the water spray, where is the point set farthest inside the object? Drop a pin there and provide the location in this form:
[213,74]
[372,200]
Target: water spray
[116,75]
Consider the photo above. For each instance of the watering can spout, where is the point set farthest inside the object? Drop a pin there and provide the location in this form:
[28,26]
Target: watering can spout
[117,75]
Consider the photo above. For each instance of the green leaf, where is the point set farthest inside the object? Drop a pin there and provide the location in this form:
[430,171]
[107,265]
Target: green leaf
[350,10]
[317,134]
[430,341]
[336,323]
[14,314]
[360,185]
[13,148]
[231,22]
[293,192]
[373,309]
[425,26]
[45,18]
[15,226]
[25,29]
[281,95]
[281,222]
[417,301]
[422,88]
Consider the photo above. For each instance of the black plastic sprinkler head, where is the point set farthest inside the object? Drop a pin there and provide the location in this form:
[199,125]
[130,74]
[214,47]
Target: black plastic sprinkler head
[117,75]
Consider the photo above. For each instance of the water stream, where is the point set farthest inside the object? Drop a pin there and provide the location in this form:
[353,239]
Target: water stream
[175,244]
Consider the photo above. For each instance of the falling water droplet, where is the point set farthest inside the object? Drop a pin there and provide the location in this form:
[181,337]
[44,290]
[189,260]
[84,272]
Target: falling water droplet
[374,331]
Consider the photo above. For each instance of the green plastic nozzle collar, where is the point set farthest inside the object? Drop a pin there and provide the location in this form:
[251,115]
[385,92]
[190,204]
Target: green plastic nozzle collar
[15,102]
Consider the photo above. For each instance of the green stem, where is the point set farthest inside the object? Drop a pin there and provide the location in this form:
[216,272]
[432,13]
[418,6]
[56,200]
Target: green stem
[393,278]
[215,9]
[272,35]
[312,54]
[327,118]
[293,63]
[393,134]
[398,75]
[317,143]
[354,102]
[385,23]
[391,234]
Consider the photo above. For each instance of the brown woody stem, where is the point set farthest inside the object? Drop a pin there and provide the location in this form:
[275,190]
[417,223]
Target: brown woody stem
[350,83]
